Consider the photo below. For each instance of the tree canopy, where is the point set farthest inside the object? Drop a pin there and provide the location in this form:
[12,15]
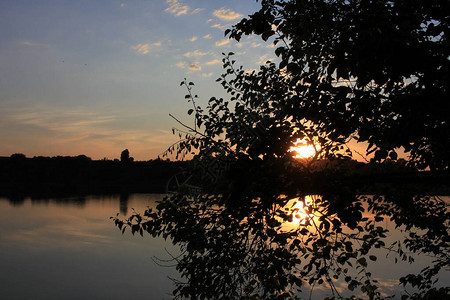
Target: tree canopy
[347,70]
[376,71]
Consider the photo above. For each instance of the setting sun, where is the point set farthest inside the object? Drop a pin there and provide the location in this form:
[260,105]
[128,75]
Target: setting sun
[302,149]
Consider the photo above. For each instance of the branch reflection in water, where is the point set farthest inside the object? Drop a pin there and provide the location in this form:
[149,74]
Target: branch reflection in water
[389,259]
[289,249]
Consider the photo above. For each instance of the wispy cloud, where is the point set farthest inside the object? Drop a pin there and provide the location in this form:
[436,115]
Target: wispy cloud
[222,42]
[207,74]
[195,53]
[181,64]
[263,59]
[197,10]
[212,62]
[30,43]
[62,120]
[194,67]
[142,48]
[123,4]
[207,36]
[145,48]
[177,8]
[48,130]
[219,26]
[193,39]
[226,14]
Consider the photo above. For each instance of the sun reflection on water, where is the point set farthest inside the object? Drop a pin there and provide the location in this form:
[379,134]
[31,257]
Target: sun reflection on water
[301,210]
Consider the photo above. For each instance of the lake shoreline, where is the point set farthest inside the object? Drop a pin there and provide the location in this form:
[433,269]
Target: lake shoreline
[65,176]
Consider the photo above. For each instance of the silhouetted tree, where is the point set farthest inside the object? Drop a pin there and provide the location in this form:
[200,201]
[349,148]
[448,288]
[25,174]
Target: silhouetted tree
[18,156]
[338,79]
[125,156]
[376,71]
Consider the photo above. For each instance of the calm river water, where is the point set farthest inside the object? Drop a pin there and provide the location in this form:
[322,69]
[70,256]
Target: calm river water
[70,249]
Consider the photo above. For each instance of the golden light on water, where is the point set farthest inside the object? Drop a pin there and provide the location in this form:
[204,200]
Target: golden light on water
[303,149]
[299,210]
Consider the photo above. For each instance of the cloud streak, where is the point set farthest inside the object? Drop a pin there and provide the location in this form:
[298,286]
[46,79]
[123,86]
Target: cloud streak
[32,44]
[213,62]
[56,120]
[194,67]
[219,26]
[50,131]
[145,48]
[181,65]
[197,10]
[195,53]
[222,42]
[177,8]
[226,14]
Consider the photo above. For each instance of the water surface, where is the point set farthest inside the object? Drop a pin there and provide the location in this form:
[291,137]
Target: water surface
[69,249]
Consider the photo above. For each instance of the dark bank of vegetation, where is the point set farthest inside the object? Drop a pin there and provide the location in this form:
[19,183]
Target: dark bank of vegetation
[371,71]
[81,175]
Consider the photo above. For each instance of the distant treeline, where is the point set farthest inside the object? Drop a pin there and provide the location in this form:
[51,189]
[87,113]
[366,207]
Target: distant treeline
[63,175]
[379,177]
[81,174]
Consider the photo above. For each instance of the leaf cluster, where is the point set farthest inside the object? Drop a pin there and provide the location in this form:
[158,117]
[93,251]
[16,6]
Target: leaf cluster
[350,78]
[377,70]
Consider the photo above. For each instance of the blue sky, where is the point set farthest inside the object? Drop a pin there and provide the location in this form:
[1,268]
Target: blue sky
[96,77]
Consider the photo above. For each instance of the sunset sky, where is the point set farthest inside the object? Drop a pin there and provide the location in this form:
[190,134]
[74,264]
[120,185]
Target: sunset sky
[95,77]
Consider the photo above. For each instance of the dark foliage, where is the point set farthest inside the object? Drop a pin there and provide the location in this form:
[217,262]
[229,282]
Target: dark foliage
[374,71]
